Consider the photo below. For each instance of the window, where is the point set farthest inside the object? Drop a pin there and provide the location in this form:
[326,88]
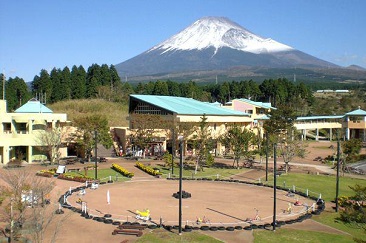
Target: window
[144,108]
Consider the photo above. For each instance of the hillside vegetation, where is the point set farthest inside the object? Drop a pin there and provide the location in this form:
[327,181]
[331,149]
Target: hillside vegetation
[116,113]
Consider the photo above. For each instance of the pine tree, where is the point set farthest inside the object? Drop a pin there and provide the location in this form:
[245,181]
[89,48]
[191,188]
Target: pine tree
[78,82]
[17,93]
[65,84]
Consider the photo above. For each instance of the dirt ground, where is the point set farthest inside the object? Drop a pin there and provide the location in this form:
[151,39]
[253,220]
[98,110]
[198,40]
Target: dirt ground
[223,203]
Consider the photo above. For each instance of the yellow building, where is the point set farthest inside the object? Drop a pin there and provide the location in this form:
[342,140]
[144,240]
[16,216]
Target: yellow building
[19,130]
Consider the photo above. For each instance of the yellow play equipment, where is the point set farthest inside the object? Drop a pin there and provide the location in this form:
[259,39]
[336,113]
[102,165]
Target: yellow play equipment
[144,215]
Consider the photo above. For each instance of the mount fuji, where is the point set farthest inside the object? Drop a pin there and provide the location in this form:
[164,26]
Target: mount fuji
[216,43]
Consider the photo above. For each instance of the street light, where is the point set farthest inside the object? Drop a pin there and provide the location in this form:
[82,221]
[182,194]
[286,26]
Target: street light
[173,150]
[337,181]
[180,138]
[266,156]
[274,185]
[96,153]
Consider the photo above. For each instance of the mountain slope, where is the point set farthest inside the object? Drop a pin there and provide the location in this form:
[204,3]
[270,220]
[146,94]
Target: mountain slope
[216,43]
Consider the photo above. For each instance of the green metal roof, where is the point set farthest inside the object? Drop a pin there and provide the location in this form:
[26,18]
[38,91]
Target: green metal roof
[187,106]
[266,105]
[33,106]
[357,112]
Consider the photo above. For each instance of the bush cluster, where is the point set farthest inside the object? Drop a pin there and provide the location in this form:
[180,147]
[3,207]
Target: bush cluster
[71,177]
[46,173]
[147,169]
[122,170]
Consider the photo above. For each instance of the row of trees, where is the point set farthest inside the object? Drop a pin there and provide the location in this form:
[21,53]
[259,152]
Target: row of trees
[97,82]
[104,82]
[277,91]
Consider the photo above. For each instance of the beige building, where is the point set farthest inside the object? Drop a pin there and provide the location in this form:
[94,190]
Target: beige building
[181,110]
[20,130]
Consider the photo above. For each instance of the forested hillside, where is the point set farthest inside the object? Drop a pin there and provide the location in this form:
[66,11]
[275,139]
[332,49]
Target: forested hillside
[103,83]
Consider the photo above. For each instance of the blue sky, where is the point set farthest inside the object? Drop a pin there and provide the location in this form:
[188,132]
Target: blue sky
[43,34]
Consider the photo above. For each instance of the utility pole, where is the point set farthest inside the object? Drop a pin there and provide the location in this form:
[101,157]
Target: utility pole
[267,156]
[337,181]
[96,153]
[180,182]
[274,185]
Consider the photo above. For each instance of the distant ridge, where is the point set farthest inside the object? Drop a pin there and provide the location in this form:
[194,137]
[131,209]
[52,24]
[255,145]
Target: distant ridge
[356,67]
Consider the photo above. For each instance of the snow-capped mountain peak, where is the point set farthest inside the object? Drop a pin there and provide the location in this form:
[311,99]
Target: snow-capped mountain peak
[219,32]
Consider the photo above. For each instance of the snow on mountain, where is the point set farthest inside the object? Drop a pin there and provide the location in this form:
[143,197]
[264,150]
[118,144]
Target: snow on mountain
[219,32]
[216,43]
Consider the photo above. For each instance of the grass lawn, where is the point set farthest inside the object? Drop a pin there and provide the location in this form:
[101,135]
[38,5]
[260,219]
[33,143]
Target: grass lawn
[290,235]
[163,236]
[331,219]
[103,174]
[326,185]
[207,172]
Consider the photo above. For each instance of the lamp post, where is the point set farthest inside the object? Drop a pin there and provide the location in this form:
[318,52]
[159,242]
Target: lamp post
[180,181]
[274,185]
[173,149]
[266,156]
[96,153]
[337,181]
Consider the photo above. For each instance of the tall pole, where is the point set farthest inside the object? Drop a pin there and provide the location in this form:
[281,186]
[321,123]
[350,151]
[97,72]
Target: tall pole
[337,183]
[11,220]
[274,185]
[267,156]
[180,181]
[96,153]
[173,150]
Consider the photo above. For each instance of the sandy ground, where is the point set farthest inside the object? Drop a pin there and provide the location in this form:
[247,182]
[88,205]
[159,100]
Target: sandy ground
[222,203]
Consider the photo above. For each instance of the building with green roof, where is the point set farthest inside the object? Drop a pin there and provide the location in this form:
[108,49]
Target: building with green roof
[181,110]
[350,125]
[20,129]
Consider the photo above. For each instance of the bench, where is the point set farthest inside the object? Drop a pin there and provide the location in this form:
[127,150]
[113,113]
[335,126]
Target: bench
[131,226]
[70,162]
[74,169]
[138,233]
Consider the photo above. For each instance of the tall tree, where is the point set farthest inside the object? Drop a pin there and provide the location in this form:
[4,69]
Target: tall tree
[105,76]
[93,80]
[239,141]
[144,129]
[78,82]
[56,79]
[16,93]
[161,88]
[224,93]
[20,191]
[173,89]
[65,84]
[115,79]
[50,141]
[281,119]
[42,86]
[203,144]
[282,131]
[85,135]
